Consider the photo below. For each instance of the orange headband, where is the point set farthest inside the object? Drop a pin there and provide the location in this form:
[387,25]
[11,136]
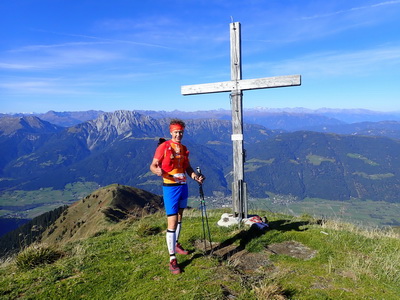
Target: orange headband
[174,127]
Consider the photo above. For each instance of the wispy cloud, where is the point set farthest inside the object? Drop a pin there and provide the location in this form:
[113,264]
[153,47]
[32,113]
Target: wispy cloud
[353,9]
[45,86]
[72,54]
[288,27]
[334,64]
[59,58]
[34,48]
[59,55]
[106,40]
[15,66]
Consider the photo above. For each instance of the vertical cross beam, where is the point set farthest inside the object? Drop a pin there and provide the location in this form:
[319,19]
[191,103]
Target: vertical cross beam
[239,191]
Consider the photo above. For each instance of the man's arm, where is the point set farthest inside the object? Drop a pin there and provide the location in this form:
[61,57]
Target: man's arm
[194,176]
[155,167]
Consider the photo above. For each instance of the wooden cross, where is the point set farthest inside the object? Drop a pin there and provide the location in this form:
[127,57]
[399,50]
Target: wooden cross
[236,85]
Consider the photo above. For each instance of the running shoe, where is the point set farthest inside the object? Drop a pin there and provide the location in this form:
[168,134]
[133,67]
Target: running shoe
[173,267]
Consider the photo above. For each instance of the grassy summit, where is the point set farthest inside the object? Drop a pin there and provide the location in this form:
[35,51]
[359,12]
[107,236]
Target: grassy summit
[298,258]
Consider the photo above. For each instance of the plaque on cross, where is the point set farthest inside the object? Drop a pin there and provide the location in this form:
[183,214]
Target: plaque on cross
[236,85]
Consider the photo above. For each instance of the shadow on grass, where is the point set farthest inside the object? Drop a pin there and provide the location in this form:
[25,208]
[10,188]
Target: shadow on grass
[227,249]
[287,225]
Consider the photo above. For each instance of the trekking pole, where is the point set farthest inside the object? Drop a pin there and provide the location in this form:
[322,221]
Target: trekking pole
[204,214]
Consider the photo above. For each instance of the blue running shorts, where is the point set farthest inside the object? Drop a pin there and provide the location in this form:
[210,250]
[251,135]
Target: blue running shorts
[175,197]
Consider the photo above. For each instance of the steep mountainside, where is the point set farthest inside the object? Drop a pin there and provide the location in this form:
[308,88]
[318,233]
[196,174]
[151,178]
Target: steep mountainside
[29,125]
[21,136]
[96,212]
[111,127]
[329,166]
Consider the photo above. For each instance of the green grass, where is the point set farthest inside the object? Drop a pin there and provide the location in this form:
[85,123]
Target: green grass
[36,255]
[374,176]
[363,158]
[317,160]
[254,164]
[130,262]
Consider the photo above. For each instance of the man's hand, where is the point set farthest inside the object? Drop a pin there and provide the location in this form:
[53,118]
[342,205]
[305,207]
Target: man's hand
[199,178]
[158,171]
[155,167]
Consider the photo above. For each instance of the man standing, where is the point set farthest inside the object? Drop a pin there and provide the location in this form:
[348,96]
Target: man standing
[171,161]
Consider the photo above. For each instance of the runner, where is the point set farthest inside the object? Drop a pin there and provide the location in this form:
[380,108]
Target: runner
[171,161]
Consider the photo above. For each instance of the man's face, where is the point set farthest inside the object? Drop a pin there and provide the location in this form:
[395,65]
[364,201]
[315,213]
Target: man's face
[177,135]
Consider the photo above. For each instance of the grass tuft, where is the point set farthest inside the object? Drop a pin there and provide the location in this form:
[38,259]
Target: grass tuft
[37,255]
[146,229]
[269,292]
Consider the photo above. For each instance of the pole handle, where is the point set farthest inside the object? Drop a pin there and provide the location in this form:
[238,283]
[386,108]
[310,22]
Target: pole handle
[200,185]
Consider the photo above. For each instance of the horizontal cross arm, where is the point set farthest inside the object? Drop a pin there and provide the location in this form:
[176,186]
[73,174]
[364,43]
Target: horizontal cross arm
[245,84]
[270,82]
[206,88]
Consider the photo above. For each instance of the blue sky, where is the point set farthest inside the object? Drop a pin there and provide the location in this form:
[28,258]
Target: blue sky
[124,54]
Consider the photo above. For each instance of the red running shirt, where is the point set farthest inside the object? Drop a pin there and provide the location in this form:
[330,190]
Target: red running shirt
[174,159]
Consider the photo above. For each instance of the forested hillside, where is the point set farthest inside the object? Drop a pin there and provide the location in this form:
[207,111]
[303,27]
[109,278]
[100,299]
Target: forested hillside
[329,166]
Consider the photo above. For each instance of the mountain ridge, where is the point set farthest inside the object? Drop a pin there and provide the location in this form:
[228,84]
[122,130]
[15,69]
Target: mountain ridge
[95,212]
[324,115]
[86,217]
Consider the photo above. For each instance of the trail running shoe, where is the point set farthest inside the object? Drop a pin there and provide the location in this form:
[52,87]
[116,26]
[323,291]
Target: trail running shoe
[180,250]
[173,267]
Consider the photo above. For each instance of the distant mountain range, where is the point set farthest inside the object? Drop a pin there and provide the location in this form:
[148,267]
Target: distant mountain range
[336,161]
[289,119]
[64,119]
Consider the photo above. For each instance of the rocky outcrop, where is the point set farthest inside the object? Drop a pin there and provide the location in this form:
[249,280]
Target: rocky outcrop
[118,125]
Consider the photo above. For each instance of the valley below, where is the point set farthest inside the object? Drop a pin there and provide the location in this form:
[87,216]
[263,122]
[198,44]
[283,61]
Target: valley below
[18,207]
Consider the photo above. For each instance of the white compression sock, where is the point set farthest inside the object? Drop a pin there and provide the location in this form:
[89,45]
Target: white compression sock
[178,230]
[171,241]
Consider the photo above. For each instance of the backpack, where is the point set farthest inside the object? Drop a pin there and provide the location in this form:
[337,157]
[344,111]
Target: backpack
[167,163]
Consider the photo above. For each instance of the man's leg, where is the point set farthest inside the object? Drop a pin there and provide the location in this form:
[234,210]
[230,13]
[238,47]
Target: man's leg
[172,221]
[171,203]
[179,223]
[184,192]
[179,248]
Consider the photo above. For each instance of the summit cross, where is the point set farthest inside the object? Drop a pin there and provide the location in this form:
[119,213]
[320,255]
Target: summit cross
[236,85]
